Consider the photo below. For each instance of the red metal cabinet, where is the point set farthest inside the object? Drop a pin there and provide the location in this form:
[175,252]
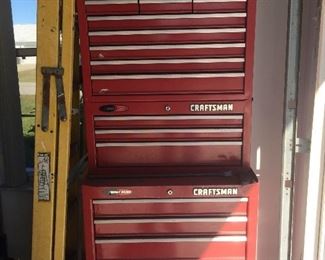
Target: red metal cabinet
[167,47]
[178,136]
[180,218]
[168,89]
[139,57]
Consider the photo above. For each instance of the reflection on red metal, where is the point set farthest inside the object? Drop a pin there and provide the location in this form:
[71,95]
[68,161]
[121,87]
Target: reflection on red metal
[179,218]
[168,90]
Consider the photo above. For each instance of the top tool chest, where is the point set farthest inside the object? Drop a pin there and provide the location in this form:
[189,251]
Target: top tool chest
[167,84]
[153,47]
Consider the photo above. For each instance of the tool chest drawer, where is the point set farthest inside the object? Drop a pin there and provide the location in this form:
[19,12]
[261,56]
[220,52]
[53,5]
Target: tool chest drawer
[165,6]
[206,6]
[167,208]
[159,219]
[110,7]
[168,84]
[235,225]
[196,248]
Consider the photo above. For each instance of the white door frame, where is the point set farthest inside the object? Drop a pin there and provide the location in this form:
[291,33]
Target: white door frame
[314,240]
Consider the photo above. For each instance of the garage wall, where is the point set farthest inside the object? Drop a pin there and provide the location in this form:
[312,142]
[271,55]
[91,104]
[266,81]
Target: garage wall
[309,41]
[269,82]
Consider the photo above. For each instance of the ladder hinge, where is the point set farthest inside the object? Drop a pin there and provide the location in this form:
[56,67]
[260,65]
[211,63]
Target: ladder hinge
[302,145]
[57,72]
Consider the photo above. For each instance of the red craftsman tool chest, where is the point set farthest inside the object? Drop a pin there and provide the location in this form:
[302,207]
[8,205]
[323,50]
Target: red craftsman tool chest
[180,218]
[167,90]
[172,47]
[168,136]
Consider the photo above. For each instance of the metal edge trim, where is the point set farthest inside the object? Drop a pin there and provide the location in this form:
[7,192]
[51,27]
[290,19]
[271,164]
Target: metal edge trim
[151,32]
[173,240]
[207,117]
[166,61]
[167,47]
[168,76]
[144,201]
[167,16]
[151,144]
[154,131]
[239,219]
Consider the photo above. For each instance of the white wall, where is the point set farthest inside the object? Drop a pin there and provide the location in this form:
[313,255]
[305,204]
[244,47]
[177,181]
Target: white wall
[310,21]
[269,82]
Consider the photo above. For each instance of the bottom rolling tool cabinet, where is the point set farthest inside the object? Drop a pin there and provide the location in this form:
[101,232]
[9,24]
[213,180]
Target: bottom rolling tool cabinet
[170,218]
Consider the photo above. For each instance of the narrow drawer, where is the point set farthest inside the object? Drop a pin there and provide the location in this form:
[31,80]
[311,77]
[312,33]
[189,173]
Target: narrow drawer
[111,7]
[165,6]
[211,6]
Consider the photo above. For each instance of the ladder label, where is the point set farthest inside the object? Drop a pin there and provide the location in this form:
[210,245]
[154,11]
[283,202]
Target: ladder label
[43,160]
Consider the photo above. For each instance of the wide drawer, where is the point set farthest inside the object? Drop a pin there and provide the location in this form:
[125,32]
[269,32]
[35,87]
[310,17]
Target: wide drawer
[221,248]
[181,207]
[168,83]
[140,22]
[180,36]
[163,51]
[170,226]
[169,153]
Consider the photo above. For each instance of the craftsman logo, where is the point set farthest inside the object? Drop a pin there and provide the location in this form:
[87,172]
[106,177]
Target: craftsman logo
[119,192]
[214,192]
[211,107]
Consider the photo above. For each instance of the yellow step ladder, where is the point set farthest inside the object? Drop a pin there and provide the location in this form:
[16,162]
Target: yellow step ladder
[56,94]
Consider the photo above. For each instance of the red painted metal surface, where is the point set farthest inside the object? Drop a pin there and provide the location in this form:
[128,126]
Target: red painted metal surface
[170,134]
[168,218]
